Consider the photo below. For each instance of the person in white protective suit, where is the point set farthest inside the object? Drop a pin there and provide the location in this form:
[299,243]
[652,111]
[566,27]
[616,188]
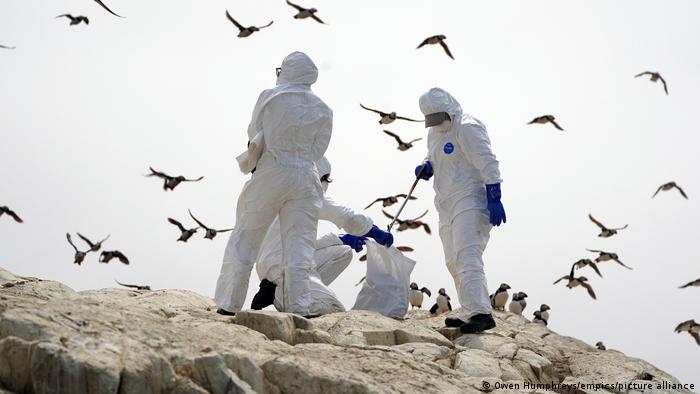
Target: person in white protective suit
[467,198]
[332,255]
[289,132]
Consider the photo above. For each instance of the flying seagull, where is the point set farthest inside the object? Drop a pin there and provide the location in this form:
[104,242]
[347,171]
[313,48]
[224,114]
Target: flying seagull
[439,39]
[79,255]
[5,210]
[410,223]
[108,255]
[604,231]
[668,186]
[403,146]
[94,247]
[137,287]
[185,233]
[171,182]
[305,12]
[388,117]
[391,200]
[245,31]
[106,8]
[75,20]
[546,119]
[210,232]
[654,77]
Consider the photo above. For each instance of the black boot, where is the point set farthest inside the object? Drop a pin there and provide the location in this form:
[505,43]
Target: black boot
[225,312]
[454,322]
[478,323]
[265,296]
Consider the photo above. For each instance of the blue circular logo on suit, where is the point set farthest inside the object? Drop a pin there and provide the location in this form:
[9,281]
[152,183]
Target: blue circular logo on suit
[448,148]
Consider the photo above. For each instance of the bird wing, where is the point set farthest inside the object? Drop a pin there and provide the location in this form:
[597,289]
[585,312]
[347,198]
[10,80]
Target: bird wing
[396,137]
[427,228]
[125,285]
[644,73]
[178,224]
[664,82]
[416,140]
[107,8]
[620,262]
[657,191]
[426,291]
[552,121]
[621,228]
[696,336]
[408,119]
[69,16]
[268,25]
[599,224]
[121,257]
[405,248]
[589,289]
[560,279]
[595,251]
[361,280]
[363,258]
[13,215]
[298,7]
[194,180]
[238,25]
[158,173]
[387,215]
[317,19]
[70,241]
[106,238]
[198,222]
[443,44]
[87,241]
[595,268]
[692,283]
[224,231]
[85,18]
[423,43]
[374,110]
[420,217]
[681,190]
[373,202]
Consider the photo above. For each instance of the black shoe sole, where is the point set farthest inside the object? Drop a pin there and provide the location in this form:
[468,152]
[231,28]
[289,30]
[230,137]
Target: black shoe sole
[454,322]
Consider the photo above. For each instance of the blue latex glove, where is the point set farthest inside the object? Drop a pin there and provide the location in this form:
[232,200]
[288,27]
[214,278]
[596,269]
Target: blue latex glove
[497,214]
[382,237]
[427,172]
[353,241]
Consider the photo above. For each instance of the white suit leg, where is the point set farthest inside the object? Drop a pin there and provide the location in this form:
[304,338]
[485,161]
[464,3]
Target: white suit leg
[464,241]
[243,247]
[299,223]
[331,261]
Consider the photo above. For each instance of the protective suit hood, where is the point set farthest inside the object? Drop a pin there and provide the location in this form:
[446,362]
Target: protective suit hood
[297,69]
[439,100]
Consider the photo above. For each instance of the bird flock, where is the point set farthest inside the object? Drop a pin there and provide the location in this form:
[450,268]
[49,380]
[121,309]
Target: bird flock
[498,299]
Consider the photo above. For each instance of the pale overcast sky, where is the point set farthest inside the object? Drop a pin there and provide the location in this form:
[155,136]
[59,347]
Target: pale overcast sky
[85,110]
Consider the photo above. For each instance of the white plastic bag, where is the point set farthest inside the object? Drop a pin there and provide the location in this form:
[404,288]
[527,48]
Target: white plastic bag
[385,290]
[248,160]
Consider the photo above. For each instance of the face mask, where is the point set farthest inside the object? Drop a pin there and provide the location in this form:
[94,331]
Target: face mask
[436,119]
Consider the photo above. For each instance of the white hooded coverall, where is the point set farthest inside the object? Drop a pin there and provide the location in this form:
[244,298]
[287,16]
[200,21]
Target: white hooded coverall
[460,153]
[296,127]
[331,256]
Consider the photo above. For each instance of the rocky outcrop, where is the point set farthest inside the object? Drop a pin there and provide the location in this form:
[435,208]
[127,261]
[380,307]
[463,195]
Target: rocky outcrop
[53,339]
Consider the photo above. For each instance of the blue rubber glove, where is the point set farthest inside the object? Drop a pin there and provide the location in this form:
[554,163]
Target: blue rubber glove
[353,241]
[427,172]
[382,237]
[497,214]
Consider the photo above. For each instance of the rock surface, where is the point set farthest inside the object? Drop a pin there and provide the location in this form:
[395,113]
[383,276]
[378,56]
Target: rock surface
[53,339]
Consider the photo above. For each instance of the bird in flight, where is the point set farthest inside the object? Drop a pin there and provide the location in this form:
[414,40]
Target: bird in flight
[388,117]
[107,8]
[210,232]
[654,77]
[245,31]
[668,186]
[604,231]
[4,210]
[75,20]
[403,146]
[391,200]
[305,13]
[171,182]
[410,223]
[546,119]
[438,39]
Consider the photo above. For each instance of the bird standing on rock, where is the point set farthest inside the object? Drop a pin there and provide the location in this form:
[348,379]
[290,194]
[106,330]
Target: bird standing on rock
[500,297]
[518,304]
[442,303]
[544,312]
[600,345]
[538,318]
[416,295]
